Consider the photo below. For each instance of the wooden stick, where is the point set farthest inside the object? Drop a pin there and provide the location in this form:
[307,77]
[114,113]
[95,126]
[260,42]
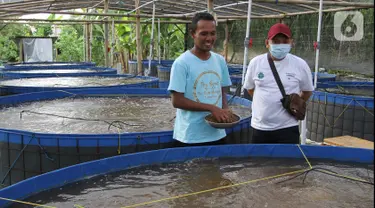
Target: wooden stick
[226,41]
[138,40]
[327,3]
[106,43]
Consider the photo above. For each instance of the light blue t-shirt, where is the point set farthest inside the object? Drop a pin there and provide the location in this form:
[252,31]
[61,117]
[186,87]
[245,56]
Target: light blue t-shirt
[200,81]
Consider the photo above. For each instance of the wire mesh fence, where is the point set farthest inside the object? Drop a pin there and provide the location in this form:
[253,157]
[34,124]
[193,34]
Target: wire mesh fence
[355,56]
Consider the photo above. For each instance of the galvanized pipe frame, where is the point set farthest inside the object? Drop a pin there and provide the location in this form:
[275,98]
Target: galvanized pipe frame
[174,4]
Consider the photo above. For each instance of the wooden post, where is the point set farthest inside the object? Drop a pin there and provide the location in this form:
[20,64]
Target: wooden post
[226,41]
[88,41]
[84,42]
[20,44]
[210,9]
[106,43]
[210,6]
[186,36]
[138,40]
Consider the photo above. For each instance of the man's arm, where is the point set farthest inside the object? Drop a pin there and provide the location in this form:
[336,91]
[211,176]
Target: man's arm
[181,102]
[251,92]
[305,95]
[249,84]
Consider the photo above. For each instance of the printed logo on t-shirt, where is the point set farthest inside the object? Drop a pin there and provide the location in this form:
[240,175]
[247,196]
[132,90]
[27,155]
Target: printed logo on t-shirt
[207,88]
[290,75]
[260,75]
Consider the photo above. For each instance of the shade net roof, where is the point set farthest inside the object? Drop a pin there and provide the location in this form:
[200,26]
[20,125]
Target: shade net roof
[224,9]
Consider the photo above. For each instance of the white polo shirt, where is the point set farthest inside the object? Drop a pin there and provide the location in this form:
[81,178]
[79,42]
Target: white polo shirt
[268,114]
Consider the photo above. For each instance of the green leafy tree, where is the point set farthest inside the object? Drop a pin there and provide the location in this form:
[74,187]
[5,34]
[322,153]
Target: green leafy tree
[9,51]
[69,44]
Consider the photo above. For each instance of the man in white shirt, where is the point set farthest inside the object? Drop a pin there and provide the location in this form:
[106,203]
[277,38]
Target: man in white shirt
[270,121]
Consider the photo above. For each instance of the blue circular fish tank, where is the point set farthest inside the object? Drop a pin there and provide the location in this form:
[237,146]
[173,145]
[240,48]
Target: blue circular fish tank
[50,65]
[27,153]
[29,72]
[154,63]
[341,108]
[39,84]
[86,172]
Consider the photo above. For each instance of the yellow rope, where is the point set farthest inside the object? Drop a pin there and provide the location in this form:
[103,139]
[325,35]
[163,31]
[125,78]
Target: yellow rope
[364,108]
[344,176]
[334,122]
[308,162]
[215,189]
[28,203]
[346,107]
[330,172]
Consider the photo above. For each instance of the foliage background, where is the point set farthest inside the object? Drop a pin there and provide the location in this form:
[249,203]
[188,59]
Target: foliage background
[354,56]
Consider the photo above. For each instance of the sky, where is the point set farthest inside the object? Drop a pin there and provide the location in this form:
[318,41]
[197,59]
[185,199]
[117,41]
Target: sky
[42,16]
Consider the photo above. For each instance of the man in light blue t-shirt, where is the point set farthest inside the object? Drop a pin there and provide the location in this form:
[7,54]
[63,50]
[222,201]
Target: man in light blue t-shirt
[197,80]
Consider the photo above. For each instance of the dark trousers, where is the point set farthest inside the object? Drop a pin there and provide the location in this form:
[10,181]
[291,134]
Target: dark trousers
[282,136]
[219,142]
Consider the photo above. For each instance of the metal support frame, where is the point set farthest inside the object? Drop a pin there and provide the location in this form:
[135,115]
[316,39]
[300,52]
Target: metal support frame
[159,36]
[303,123]
[106,36]
[138,39]
[246,43]
[113,44]
[151,41]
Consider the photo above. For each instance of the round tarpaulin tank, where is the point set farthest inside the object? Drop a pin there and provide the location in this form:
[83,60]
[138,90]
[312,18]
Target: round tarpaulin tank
[154,63]
[50,65]
[28,73]
[44,131]
[341,108]
[214,176]
[27,85]
[134,70]
[164,73]
[324,77]
[235,70]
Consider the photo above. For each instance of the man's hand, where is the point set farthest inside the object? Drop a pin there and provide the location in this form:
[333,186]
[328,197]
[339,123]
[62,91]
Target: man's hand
[221,115]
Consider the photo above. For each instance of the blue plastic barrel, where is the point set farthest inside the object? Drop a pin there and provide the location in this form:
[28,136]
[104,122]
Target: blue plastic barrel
[235,70]
[166,62]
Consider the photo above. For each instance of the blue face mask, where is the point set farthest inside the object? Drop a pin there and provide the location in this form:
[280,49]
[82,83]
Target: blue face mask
[279,51]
